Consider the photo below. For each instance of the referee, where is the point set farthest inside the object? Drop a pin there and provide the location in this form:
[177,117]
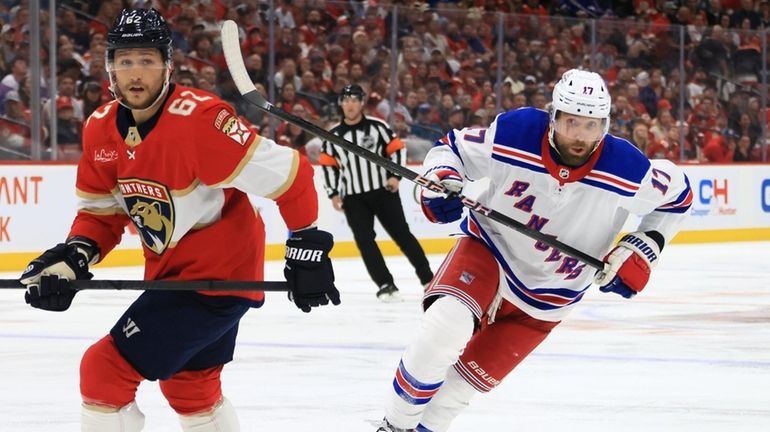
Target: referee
[364,190]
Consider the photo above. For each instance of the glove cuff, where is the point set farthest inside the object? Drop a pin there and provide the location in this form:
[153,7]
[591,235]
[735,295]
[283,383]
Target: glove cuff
[642,245]
[309,247]
[87,247]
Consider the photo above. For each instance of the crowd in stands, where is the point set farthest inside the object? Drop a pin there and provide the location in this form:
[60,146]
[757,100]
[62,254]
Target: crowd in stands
[427,67]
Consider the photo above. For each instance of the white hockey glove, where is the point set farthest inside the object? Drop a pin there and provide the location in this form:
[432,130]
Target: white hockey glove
[437,207]
[627,267]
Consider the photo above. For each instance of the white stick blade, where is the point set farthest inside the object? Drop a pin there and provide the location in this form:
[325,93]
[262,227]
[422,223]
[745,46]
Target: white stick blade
[231,46]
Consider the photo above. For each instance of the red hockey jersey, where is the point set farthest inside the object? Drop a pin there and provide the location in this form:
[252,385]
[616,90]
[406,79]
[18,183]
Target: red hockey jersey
[181,178]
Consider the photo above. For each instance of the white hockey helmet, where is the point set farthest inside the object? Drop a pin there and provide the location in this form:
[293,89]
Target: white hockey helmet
[582,93]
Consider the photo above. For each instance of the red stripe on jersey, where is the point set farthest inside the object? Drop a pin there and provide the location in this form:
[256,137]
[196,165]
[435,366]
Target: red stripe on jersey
[615,181]
[522,155]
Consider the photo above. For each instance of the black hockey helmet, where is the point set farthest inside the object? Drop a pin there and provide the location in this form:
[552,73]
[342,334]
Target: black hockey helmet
[352,90]
[139,28]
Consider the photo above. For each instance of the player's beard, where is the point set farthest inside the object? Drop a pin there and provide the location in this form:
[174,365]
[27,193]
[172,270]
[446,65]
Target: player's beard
[575,153]
[147,96]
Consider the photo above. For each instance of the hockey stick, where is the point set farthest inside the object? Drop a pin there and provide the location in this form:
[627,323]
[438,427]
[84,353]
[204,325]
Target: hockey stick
[232,50]
[163,285]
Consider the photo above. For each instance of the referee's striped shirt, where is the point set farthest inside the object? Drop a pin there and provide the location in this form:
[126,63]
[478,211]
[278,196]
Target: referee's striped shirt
[346,173]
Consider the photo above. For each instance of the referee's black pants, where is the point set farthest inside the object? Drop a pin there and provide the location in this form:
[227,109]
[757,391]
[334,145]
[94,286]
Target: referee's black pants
[360,210]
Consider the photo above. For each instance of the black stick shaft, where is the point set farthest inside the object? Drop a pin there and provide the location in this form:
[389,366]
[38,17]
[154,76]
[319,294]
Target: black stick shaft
[256,99]
[150,285]
[234,57]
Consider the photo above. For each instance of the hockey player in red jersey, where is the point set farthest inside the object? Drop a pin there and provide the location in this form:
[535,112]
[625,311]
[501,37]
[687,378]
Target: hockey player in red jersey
[499,293]
[178,164]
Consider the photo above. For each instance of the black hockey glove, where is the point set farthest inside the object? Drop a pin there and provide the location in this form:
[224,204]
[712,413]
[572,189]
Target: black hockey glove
[47,276]
[309,270]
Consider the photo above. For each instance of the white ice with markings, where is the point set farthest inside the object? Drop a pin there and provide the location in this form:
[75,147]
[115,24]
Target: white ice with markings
[691,353]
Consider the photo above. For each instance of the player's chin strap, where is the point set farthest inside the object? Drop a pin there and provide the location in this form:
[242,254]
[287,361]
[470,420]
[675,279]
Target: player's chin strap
[115,92]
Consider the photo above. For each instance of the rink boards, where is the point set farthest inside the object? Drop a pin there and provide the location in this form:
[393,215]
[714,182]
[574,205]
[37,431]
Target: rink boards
[37,205]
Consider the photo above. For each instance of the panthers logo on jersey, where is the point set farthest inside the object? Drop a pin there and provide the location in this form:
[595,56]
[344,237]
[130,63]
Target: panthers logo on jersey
[151,210]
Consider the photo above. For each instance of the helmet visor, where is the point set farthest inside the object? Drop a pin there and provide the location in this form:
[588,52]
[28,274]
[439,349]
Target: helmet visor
[580,128]
[352,97]
[143,58]
[127,64]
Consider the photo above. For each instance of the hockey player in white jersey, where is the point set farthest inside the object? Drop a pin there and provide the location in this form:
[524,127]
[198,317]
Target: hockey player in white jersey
[498,293]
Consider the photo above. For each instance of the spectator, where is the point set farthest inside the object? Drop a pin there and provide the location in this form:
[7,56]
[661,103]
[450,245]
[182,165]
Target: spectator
[661,125]
[642,139]
[423,126]
[711,54]
[743,150]
[539,100]
[456,119]
[295,136]
[7,45]
[93,97]
[764,13]
[14,125]
[68,127]
[184,77]
[182,30]
[400,127]
[650,90]
[746,126]
[519,100]
[530,86]
[11,81]
[255,68]
[287,73]
[721,148]
[202,53]
[746,12]
[289,98]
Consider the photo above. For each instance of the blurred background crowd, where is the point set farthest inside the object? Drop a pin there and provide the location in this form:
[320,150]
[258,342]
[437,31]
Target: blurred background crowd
[687,77]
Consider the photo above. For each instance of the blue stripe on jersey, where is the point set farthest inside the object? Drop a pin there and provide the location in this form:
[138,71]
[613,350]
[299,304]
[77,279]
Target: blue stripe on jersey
[621,158]
[522,129]
[440,167]
[607,187]
[680,204]
[421,428]
[679,210]
[515,284]
[451,142]
[519,163]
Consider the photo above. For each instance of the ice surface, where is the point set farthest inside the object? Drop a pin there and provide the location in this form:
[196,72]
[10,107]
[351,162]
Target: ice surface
[691,353]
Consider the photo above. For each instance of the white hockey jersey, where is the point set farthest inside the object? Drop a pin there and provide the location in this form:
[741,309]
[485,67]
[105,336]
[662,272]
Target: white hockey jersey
[583,207]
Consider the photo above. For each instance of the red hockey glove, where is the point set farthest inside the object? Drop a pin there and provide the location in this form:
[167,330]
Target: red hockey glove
[627,267]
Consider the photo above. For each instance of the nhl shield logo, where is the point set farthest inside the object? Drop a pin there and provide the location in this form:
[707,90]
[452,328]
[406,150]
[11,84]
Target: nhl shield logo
[564,173]
[368,142]
[151,210]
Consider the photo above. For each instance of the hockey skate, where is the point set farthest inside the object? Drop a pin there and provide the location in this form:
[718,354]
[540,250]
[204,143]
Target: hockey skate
[387,427]
[388,293]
